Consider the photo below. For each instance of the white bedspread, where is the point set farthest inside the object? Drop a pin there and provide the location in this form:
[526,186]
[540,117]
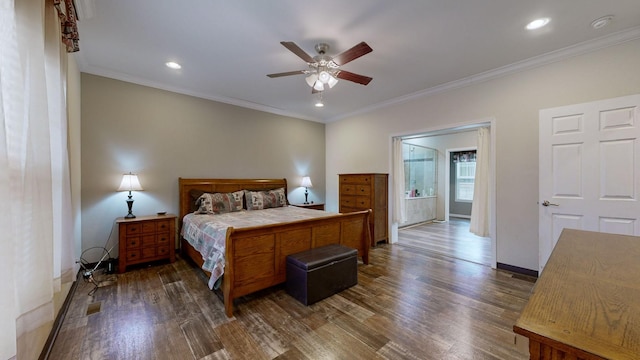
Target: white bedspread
[207,233]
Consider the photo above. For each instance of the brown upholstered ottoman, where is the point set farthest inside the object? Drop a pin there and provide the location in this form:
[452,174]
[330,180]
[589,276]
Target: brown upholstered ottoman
[318,273]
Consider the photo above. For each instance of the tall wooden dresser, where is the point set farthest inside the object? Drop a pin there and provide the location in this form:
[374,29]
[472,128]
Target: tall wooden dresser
[367,191]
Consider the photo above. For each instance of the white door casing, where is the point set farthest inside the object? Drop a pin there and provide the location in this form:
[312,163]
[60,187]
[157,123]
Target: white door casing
[589,172]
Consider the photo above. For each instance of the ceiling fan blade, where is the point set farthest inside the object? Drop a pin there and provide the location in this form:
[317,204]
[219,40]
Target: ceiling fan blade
[352,54]
[360,79]
[296,50]
[298,72]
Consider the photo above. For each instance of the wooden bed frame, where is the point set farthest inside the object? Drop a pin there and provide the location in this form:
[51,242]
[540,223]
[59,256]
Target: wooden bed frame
[255,257]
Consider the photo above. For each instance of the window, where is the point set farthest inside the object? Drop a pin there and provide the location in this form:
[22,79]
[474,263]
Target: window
[465,179]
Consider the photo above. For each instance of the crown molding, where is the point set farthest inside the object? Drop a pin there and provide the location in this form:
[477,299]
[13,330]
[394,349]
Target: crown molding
[536,61]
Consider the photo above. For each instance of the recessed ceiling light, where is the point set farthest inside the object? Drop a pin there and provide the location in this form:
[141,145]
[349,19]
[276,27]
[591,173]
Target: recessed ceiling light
[537,23]
[173,65]
[601,22]
[319,104]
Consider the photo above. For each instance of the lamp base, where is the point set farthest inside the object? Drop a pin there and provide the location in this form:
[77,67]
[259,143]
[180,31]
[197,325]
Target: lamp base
[306,195]
[130,206]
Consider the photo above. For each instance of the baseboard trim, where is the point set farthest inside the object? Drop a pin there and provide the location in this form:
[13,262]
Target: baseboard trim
[517,270]
[57,324]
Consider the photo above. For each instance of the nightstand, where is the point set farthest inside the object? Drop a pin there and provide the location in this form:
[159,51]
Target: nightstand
[146,238]
[314,206]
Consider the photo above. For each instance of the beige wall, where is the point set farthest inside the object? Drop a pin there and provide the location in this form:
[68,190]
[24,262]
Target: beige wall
[162,136]
[514,102]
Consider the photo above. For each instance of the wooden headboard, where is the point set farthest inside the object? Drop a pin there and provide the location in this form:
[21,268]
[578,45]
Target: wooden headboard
[222,186]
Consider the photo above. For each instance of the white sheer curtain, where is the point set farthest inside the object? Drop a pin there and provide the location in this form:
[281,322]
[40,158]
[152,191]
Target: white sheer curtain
[480,208]
[399,215]
[34,185]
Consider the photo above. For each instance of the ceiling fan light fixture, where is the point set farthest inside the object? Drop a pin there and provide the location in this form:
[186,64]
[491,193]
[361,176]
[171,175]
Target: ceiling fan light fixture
[311,79]
[324,76]
[319,86]
[332,81]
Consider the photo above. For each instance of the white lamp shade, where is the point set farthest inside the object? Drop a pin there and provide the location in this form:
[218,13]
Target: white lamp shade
[332,81]
[311,79]
[324,76]
[319,86]
[306,182]
[130,182]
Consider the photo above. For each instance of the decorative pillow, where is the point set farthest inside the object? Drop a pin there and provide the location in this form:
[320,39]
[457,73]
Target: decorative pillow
[219,203]
[257,200]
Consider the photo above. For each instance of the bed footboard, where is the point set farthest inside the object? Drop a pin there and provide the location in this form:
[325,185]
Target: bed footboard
[256,257]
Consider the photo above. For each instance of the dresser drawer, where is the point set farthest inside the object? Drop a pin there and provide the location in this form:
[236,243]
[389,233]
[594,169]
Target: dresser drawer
[355,189]
[355,202]
[355,179]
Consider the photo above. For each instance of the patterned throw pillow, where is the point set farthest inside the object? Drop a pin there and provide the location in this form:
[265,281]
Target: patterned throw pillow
[219,203]
[257,200]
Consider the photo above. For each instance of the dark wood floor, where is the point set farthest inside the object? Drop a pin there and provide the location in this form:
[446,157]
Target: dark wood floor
[408,304]
[451,238]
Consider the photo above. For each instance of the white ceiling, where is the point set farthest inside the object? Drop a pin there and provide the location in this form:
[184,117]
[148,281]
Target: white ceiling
[226,48]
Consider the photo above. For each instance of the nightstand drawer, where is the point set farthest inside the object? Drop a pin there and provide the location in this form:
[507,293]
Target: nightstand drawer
[163,250]
[163,225]
[162,239]
[148,227]
[148,252]
[133,255]
[133,229]
[133,242]
[148,240]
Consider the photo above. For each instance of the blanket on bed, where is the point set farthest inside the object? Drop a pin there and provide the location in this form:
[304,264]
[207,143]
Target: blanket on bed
[207,233]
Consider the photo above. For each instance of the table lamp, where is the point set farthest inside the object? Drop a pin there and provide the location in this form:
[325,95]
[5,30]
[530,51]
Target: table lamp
[306,182]
[129,183]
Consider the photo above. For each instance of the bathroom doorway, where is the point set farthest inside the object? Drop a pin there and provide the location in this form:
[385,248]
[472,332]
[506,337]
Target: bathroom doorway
[447,233]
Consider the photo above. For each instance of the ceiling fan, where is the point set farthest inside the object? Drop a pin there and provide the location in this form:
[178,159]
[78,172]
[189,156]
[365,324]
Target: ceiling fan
[325,70]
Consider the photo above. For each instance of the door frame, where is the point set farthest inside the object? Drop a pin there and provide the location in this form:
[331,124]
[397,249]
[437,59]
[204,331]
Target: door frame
[445,130]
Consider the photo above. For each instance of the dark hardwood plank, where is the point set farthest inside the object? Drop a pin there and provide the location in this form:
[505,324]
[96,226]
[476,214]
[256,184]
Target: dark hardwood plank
[409,303]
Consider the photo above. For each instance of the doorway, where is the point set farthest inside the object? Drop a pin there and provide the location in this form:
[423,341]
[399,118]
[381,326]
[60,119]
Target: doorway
[446,235]
[448,238]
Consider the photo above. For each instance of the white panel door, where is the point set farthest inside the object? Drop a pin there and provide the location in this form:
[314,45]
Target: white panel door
[589,169]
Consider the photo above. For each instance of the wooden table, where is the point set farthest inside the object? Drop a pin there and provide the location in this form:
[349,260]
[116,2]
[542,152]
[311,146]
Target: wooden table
[586,303]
